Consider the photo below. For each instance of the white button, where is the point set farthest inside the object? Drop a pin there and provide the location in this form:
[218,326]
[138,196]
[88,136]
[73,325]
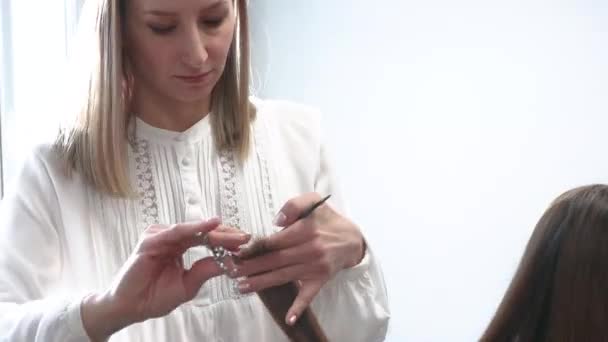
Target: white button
[186,161]
[192,201]
[179,138]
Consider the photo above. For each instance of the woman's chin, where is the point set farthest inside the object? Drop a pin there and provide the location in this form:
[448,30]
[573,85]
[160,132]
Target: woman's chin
[193,97]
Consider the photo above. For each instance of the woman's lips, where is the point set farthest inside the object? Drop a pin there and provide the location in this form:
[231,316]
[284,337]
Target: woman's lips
[195,79]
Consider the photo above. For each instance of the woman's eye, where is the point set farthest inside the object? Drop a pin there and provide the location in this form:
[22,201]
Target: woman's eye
[213,22]
[161,29]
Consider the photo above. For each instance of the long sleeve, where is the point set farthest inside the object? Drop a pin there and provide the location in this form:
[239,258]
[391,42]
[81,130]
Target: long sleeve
[31,263]
[357,294]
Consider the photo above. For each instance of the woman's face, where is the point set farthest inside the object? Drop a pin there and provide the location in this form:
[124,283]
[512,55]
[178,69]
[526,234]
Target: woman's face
[178,48]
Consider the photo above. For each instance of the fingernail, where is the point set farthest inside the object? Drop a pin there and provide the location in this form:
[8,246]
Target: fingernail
[214,220]
[243,287]
[244,250]
[292,320]
[279,219]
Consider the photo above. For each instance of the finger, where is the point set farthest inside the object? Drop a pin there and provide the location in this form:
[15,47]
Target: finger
[255,248]
[154,229]
[147,242]
[274,260]
[290,212]
[298,233]
[197,240]
[227,240]
[228,229]
[273,278]
[307,293]
[230,241]
[182,232]
[201,271]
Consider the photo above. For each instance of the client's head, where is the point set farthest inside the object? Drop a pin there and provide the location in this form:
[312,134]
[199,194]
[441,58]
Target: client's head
[560,289]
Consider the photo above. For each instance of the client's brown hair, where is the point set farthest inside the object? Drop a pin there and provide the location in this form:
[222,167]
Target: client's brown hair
[560,290]
[278,299]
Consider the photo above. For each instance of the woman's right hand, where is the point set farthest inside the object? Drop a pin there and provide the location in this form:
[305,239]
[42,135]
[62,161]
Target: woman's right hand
[153,281]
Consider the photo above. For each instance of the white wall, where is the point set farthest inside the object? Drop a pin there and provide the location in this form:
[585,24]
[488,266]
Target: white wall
[453,125]
[32,73]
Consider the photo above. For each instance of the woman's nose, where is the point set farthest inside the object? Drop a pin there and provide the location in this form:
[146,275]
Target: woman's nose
[195,48]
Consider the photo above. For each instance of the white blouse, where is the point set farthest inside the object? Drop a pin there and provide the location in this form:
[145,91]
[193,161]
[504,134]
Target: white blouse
[60,239]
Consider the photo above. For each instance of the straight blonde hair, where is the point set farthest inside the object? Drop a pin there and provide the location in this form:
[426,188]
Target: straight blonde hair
[96,143]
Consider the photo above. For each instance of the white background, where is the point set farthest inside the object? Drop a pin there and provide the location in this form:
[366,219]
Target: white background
[452,124]
[32,74]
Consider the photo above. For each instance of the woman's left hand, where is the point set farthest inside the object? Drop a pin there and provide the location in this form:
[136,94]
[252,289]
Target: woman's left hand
[309,251]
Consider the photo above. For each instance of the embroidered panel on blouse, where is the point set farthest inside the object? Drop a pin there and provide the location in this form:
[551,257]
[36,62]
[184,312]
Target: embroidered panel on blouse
[232,203]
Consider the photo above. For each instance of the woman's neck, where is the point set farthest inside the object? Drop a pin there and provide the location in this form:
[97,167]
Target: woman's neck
[169,114]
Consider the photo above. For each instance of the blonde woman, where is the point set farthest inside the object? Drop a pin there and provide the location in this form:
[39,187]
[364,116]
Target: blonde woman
[104,234]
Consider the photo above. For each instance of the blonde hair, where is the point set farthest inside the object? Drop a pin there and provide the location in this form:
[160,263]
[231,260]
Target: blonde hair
[95,144]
